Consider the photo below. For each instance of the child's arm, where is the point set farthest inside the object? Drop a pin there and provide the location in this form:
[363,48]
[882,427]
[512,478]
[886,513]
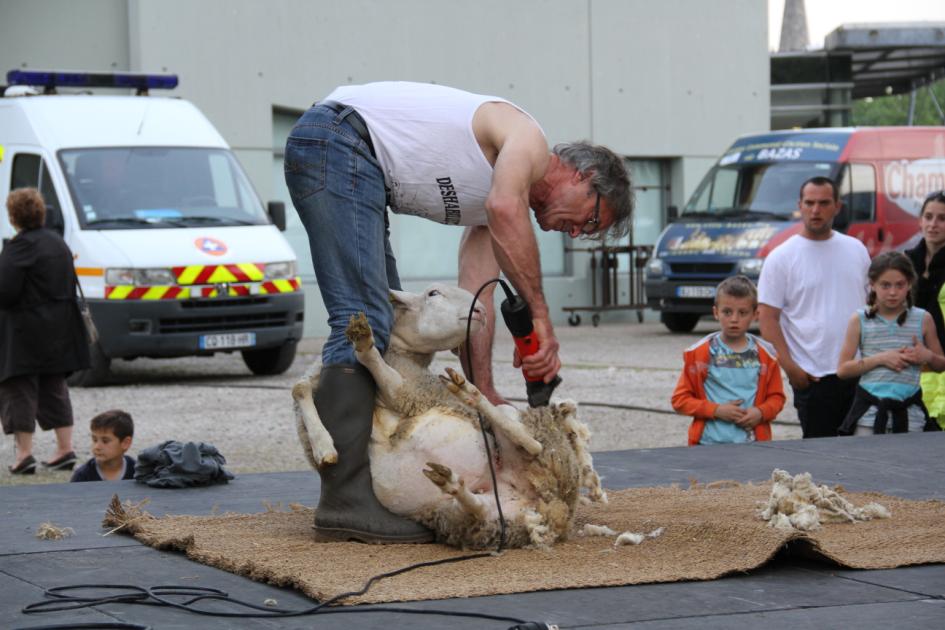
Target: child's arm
[769,408]
[851,367]
[848,367]
[931,353]
[686,401]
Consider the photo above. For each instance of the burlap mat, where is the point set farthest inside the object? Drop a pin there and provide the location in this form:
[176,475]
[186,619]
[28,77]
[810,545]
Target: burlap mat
[710,531]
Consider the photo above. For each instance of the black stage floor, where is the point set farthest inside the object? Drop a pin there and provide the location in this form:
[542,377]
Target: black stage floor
[790,592]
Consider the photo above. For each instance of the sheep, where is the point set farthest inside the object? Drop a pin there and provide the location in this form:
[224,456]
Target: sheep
[428,460]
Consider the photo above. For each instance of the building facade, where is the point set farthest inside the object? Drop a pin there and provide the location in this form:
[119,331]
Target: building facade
[668,84]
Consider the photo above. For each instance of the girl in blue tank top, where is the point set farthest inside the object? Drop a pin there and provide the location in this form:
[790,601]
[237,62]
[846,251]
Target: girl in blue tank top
[895,340]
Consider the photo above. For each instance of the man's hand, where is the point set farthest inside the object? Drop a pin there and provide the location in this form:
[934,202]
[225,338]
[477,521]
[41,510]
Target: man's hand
[730,411]
[798,378]
[544,363]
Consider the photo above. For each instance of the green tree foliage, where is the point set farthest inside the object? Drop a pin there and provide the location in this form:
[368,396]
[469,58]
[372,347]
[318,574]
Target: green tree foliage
[894,110]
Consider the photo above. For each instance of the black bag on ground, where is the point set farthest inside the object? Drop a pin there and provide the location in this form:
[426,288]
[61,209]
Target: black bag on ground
[175,464]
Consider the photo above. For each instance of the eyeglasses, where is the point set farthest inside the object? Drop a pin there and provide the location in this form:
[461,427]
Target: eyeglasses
[591,226]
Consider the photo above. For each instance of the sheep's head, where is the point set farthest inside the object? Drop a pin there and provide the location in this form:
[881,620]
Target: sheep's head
[433,320]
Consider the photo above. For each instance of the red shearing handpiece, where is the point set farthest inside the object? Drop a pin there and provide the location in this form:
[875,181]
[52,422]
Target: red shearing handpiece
[518,318]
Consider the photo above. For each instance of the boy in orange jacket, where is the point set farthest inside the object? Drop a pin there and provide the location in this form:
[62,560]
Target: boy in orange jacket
[731,382]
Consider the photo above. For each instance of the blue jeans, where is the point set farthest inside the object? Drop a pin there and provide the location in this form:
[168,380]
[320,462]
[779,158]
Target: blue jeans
[337,187]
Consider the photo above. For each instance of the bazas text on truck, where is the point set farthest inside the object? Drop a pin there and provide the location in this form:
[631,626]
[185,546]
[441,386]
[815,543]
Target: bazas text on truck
[747,205]
[174,251]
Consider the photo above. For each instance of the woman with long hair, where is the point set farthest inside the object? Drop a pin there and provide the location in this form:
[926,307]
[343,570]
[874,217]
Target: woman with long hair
[928,258]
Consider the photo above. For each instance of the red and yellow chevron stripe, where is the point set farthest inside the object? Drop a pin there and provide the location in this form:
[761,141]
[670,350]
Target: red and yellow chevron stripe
[203,281]
[217,274]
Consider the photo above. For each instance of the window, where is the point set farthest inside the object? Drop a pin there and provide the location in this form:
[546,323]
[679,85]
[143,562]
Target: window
[858,192]
[30,171]
[143,187]
[649,188]
[25,171]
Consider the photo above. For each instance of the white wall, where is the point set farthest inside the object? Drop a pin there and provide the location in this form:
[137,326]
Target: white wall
[674,79]
[63,34]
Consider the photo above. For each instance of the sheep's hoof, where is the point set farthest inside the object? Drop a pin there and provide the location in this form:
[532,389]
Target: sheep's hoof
[359,332]
[462,389]
[443,477]
[324,456]
[567,407]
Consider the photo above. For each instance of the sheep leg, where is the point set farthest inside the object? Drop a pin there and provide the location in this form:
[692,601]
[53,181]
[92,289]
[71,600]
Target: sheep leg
[511,428]
[454,486]
[316,442]
[361,336]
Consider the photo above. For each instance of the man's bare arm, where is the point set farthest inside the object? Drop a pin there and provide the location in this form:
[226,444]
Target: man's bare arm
[522,158]
[769,320]
[477,265]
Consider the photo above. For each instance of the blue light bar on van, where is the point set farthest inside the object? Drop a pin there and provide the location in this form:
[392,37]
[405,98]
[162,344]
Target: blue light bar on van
[53,79]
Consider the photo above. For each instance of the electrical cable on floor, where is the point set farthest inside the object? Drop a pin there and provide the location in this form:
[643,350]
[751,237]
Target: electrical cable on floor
[579,403]
[157,595]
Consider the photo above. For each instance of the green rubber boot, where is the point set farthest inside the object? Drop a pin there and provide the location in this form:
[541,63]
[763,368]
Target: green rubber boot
[347,508]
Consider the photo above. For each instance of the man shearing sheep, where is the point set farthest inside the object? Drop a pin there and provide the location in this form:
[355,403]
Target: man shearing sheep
[449,156]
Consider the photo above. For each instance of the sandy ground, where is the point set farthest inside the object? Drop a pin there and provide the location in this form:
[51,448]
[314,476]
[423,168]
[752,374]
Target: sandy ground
[622,376]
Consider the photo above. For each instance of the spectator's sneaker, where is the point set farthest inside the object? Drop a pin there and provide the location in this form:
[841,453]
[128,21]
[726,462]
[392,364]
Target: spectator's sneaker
[66,462]
[26,467]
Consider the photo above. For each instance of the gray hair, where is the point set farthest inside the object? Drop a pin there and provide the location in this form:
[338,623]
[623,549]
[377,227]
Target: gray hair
[609,177]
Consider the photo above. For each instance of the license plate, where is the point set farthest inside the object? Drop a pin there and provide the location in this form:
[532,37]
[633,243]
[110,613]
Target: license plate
[695,292]
[227,340]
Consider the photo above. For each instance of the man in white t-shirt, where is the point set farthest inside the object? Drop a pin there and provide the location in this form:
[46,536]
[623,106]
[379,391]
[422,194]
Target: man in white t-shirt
[809,287]
[449,156]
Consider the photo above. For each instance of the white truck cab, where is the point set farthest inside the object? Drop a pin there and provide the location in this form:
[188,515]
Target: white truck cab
[174,251]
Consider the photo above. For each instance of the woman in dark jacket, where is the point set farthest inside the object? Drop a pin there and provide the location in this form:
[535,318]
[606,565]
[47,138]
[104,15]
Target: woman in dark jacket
[928,258]
[42,337]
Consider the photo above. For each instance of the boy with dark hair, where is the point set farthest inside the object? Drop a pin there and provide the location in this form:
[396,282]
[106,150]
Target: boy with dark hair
[731,382]
[111,438]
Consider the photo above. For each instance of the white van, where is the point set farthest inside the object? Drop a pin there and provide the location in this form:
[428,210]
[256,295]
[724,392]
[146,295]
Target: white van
[174,251]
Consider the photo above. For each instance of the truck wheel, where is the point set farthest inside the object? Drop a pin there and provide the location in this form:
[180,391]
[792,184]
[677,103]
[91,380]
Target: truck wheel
[270,361]
[680,322]
[98,371]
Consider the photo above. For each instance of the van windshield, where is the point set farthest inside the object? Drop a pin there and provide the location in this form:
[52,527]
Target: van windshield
[753,191]
[166,187]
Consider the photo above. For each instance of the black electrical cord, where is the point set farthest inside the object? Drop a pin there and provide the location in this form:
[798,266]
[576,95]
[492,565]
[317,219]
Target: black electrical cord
[158,595]
[482,425]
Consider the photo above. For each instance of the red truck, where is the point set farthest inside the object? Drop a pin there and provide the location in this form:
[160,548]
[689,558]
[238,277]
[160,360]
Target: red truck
[747,205]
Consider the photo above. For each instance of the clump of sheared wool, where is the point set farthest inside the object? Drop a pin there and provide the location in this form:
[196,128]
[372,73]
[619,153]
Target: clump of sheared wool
[596,530]
[797,503]
[48,531]
[631,538]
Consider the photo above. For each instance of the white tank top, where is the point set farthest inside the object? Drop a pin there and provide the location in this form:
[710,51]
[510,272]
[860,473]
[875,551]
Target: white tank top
[424,141]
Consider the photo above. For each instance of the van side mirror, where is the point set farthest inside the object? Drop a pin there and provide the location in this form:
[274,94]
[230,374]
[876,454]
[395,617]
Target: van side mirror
[276,210]
[672,213]
[54,219]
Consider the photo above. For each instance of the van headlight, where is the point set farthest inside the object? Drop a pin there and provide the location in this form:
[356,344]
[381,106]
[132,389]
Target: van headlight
[139,277]
[750,266]
[655,267]
[280,270]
